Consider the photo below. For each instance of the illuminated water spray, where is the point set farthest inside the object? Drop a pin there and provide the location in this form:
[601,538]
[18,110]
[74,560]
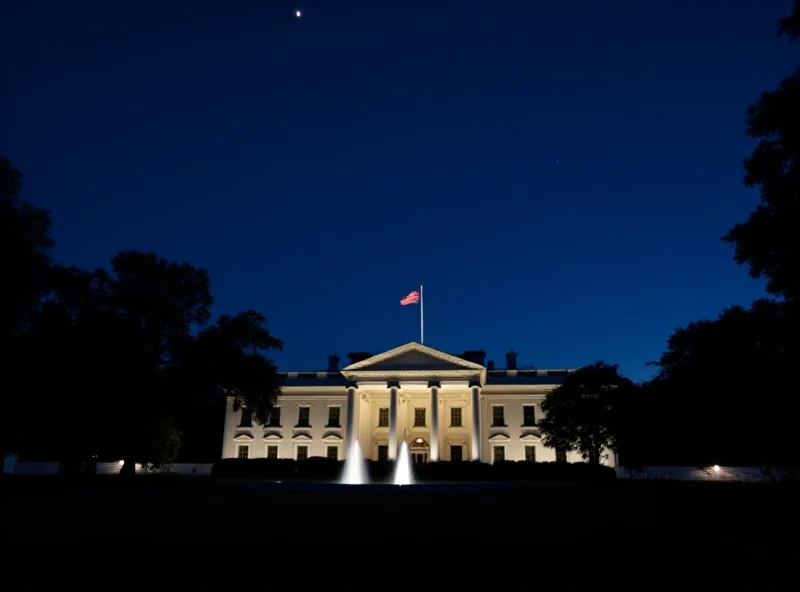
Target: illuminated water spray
[355,470]
[402,467]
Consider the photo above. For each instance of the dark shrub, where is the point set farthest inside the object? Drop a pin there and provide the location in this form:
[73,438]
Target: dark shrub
[323,469]
[550,471]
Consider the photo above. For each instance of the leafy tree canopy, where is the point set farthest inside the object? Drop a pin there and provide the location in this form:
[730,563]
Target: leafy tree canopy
[769,240]
[581,413]
[724,387]
[24,242]
[134,345]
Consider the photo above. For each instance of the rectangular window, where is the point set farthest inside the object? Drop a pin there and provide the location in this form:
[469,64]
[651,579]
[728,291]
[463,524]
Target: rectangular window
[332,452]
[456,453]
[303,417]
[419,417]
[561,455]
[530,453]
[383,452]
[383,417]
[243,451]
[498,416]
[528,415]
[302,452]
[272,452]
[274,418]
[246,420]
[499,453]
[455,417]
[334,417]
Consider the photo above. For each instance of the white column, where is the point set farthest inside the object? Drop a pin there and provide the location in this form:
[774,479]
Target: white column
[434,422]
[350,426]
[392,422]
[476,422]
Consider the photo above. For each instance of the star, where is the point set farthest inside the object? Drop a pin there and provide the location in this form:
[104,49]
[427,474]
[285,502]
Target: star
[298,14]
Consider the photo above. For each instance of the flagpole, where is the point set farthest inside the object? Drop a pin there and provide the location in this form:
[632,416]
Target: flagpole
[421,317]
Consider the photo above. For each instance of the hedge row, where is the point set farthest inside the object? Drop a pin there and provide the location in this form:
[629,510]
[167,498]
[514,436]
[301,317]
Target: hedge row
[323,469]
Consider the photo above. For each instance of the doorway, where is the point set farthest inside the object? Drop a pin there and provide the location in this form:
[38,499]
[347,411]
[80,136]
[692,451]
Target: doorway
[419,451]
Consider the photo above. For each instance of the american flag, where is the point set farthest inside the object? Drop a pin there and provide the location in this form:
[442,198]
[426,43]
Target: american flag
[412,298]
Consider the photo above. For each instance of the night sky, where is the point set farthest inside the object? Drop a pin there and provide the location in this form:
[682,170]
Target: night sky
[558,174]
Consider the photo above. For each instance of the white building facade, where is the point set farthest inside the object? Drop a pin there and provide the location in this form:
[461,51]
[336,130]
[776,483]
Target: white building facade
[443,406]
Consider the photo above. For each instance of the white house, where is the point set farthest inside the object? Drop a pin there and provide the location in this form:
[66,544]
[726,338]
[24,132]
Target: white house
[444,407]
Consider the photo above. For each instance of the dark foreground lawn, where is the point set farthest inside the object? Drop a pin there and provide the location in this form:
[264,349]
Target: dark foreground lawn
[754,520]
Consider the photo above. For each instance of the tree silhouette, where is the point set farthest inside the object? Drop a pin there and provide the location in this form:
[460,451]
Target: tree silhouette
[229,357]
[581,413]
[769,240]
[24,241]
[790,25]
[131,358]
[24,263]
[724,389]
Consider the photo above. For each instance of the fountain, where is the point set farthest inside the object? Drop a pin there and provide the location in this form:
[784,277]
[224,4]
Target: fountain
[355,473]
[355,469]
[402,467]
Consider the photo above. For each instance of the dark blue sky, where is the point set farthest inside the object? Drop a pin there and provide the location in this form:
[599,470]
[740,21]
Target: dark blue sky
[557,173]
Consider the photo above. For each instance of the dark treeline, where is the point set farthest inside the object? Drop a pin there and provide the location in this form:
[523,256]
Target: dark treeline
[125,362]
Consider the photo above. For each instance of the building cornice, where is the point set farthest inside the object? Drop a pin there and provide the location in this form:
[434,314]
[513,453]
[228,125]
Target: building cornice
[412,346]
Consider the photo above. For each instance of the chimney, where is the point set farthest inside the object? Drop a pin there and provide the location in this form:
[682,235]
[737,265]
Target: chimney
[476,356]
[511,360]
[356,357]
[333,363]
[490,365]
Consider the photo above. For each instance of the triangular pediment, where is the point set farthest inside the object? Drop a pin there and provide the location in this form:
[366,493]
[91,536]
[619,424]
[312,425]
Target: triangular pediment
[413,356]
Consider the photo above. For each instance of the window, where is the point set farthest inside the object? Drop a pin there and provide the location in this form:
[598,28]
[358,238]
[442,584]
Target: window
[246,420]
[530,454]
[332,452]
[243,451]
[455,417]
[272,452]
[334,417]
[383,452]
[456,452]
[303,417]
[499,453]
[528,415]
[302,452]
[419,417]
[274,418]
[561,455]
[498,416]
[383,417]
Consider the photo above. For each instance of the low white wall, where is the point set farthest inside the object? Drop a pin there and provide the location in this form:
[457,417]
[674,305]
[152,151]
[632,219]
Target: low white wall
[695,474]
[37,468]
[110,468]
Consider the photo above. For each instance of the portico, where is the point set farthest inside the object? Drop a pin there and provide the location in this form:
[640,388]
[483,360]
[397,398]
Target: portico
[402,396]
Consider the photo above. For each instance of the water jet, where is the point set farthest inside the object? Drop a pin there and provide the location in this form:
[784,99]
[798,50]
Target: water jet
[355,469]
[402,467]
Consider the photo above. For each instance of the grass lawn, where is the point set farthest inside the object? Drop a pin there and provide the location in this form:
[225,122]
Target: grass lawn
[692,518]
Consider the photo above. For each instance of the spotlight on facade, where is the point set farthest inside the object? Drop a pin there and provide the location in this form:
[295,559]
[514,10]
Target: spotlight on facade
[715,468]
[122,462]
